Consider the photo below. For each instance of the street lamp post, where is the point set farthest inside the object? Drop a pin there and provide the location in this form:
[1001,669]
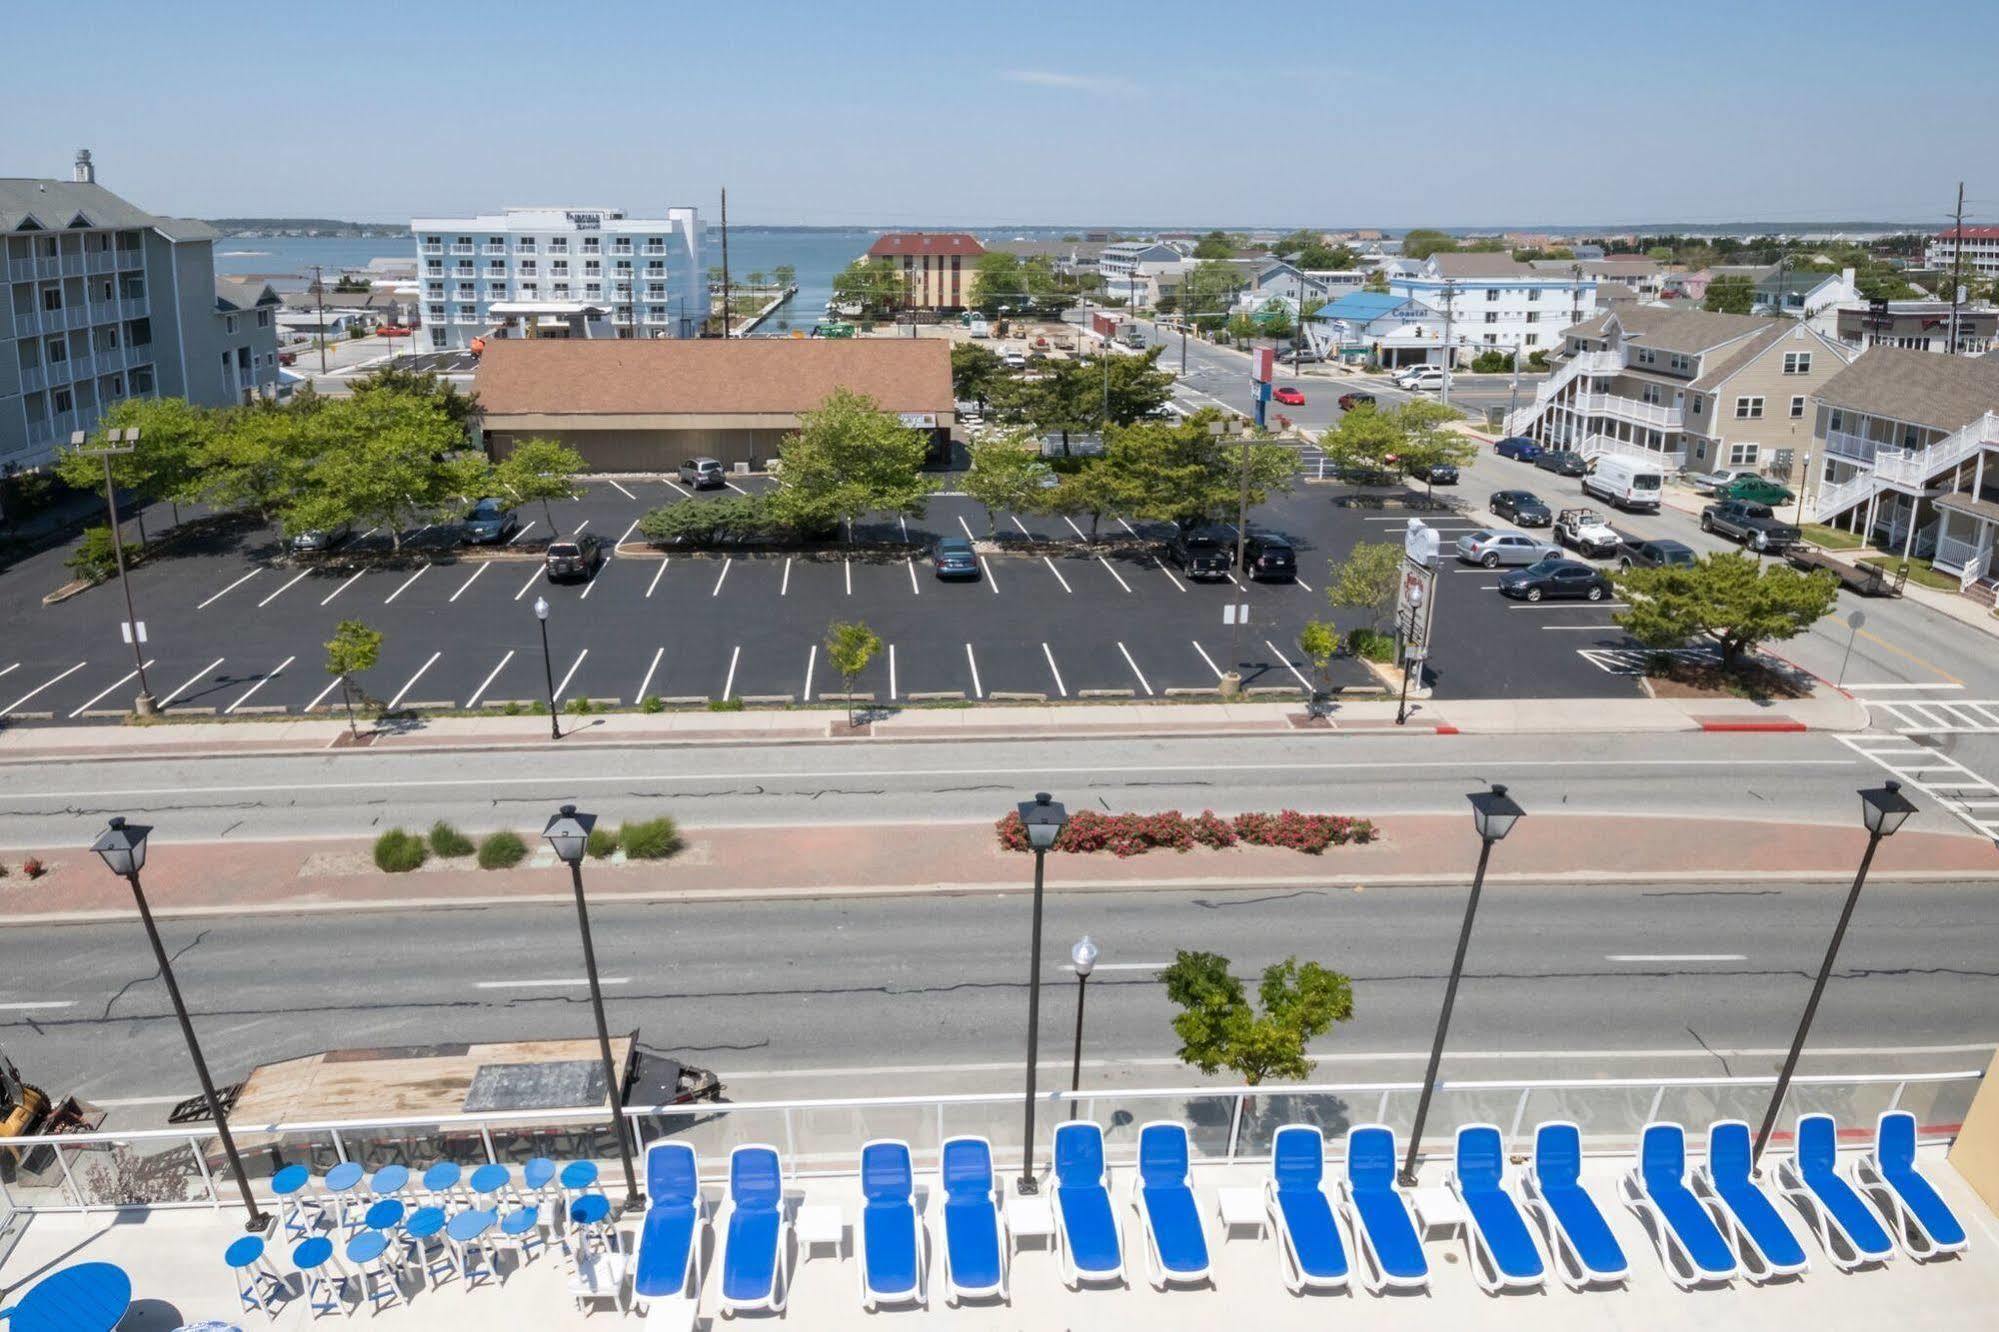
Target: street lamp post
[117,442]
[1883,809]
[1222,429]
[1410,659]
[547,668]
[1043,819]
[1083,956]
[123,849]
[569,833]
[1493,814]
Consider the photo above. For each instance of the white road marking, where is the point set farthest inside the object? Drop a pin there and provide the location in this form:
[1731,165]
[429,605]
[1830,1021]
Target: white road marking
[331,685]
[544,984]
[1134,668]
[1017,523]
[591,585]
[259,685]
[487,683]
[91,702]
[400,693]
[227,590]
[11,669]
[904,523]
[978,690]
[675,488]
[1865,687]
[524,531]
[1073,528]
[1586,628]
[578,531]
[914,590]
[621,490]
[968,528]
[891,670]
[1210,660]
[40,687]
[1127,527]
[32,1005]
[473,579]
[1060,688]
[1286,659]
[1302,583]
[811,660]
[281,591]
[1124,966]
[1576,605]
[647,682]
[733,486]
[343,587]
[1676,957]
[729,685]
[1058,574]
[784,588]
[528,584]
[1169,573]
[991,581]
[717,590]
[661,573]
[628,532]
[406,582]
[570,674]
[1113,573]
[847,566]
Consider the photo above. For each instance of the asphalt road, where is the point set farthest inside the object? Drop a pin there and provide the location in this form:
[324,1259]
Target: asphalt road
[881,997]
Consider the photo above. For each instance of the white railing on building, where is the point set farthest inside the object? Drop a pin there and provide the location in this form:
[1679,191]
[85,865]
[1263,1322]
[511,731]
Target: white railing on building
[463,249]
[1851,447]
[20,270]
[1916,467]
[102,261]
[48,267]
[494,249]
[180,1167]
[34,378]
[1594,445]
[131,256]
[1975,569]
[1835,498]
[72,265]
[1635,410]
[132,307]
[1955,553]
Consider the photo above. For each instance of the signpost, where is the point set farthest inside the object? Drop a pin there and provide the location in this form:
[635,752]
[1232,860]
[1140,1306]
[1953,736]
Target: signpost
[1856,621]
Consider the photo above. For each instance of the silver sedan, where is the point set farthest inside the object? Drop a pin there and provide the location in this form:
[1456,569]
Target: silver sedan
[1493,549]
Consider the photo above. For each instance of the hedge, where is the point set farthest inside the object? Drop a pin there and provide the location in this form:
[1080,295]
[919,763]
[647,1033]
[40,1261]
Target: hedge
[502,850]
[1134,834]
[398,852]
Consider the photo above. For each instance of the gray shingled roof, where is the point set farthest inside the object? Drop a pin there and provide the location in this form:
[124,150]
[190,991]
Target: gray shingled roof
[1690,331]
[1481,264]
[53,203]
[1921,388]
[235,293]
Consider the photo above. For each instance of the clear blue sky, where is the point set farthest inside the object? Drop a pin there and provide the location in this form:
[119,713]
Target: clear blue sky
[1018,113]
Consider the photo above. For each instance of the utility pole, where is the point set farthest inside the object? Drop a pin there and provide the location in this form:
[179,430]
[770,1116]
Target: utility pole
[319,287]
[1450,351]
[1956,272]
[725,261]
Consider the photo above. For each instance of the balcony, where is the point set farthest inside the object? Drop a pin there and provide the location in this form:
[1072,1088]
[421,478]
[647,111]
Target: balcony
[54,430]
[430,249]
[76,316]
[34,378]
[133,307]
[101,261]
[104,312]
[1670,459]
[72,265]
[1850,447]
[495,249]
[463,249]
[1655,415]
[130,256]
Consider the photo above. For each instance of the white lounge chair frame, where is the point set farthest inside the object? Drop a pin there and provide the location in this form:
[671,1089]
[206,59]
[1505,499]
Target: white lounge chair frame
[1679,1264]
[919,1295]
[1908,1230]
[954,1293]
[780,1285]
[1289,1267]
[1156,1273]
[1372,1276]
[1071,1276]
[1565,1258]
[1478,1252]
[1832,1236]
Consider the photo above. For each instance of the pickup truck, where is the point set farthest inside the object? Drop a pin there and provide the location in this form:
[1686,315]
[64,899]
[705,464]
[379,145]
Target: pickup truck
[1752,524]
[1585,531]
[1202,553]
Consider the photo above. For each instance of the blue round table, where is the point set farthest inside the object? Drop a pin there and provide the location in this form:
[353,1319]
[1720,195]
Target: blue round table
[442,1177]
[520,1221]
[424,1222]
[469,1225]
[366,1247]
[90,1297]
[289,1180]
[579,1174]
[489,1179]
[590,1209]
[385,1215]
[342,1177]
[389,1179]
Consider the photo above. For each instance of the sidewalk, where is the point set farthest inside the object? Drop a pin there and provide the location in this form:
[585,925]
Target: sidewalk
[814,860]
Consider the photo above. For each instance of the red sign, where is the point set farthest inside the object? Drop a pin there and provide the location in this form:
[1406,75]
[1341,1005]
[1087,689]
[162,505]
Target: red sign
[1262,362]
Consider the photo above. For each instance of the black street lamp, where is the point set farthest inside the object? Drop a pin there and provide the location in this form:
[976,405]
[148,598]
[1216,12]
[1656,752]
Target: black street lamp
[547,668]
[123,848]
[569,833]
[1493,814]
[1883,809]
[1044,819]
[1083,956]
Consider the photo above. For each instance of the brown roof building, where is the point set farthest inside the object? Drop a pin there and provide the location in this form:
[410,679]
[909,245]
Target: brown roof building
[937,266]
[647,406]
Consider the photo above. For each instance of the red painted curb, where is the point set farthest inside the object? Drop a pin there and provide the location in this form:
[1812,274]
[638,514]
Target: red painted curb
[1447,730]
[1782,725]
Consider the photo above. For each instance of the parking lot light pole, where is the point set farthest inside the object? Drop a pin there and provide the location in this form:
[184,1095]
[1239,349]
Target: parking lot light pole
[1493,814]
[122,846]
[1883,809]
[1083,956]
[1043,820]
[1222,429]
[120,442]
[547,668]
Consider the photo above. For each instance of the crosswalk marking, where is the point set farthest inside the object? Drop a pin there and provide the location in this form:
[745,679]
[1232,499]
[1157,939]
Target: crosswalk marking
[1968,797]
[1935,716]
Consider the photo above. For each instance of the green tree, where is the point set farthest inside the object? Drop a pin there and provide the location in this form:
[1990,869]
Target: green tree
[1097,488]
[1001,278]
[850,646]
[1219,1028]
[875,285]
[458,408]
[1215,245]
[354,648]
[386,459]
[1319,640]
[1376,281]
[1208,290]
[1364,444]
[1660,254]
[1727,597]
[165,464]
[1006,473]
[1181,472]
[1425,441]
[257,458]
[975,368]
[784,275]
[758,278]
[1365,581]
[1424,242]
[847,459]
[540,469]
[1242,328]
[1731,293]
[1134,387]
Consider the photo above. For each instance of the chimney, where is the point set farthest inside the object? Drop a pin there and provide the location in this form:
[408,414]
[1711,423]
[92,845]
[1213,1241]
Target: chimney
[84,173]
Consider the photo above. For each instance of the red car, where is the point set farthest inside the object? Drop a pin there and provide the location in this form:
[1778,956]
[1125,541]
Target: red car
[1290,397]
[392,331]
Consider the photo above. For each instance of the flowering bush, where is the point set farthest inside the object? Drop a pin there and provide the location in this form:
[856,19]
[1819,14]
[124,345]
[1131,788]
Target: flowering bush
[1310,833]
[1125,835]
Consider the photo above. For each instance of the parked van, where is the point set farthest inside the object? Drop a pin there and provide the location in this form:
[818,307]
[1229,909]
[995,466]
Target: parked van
[980,328]
[1628,483]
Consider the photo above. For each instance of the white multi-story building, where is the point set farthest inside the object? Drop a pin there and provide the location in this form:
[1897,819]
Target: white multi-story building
[560,272]
[1495,302]
[1981,251]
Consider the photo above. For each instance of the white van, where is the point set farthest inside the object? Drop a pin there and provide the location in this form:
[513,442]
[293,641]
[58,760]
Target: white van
[1627,483]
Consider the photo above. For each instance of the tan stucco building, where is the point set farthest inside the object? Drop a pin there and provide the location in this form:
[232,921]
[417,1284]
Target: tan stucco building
[937,266]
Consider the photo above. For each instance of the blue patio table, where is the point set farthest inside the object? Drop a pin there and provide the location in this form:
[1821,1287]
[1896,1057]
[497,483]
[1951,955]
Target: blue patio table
[90,1297]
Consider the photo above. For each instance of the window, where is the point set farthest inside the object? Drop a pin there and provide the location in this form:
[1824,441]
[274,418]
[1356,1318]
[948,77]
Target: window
[590,244]
[1533,316]
[1832,421]
[1492,293]
[1797,406]
[437,337]
[560,267]
[1749,409]
[1533,339]
[1797,363]
[1681,363]
[1651,393]
[1742,455]
[263,319]
[434,289]
[1533,293]
[1645,356]
[1491,316]
[435,267]
[525,245]
[527,268]
[63,400]
[592,268]
[229,324]
[51,298]
[558,245]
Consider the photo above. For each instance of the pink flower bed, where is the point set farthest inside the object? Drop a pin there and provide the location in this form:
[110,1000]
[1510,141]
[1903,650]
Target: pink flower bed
[1134,834]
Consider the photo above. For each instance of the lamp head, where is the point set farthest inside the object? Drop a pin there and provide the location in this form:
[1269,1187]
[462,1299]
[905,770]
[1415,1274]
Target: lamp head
[541,608]
[569,833]
[123,847]
[1083,954]
[1884,808]
[1044,820]
[1494,813]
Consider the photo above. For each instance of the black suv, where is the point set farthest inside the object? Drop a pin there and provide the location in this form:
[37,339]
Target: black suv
[575,557]
[1522,506]
[1202,553]
[1269,555]
[1562,462]
[1652,554]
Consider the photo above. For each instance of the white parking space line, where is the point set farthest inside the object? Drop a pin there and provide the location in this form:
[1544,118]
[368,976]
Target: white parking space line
[405,585]
[991,581]
[621,490]
[40,687]
[914,590]
[91,702]
[733,486]
[1017,523]
[1286,659]
[783,588]
[661,573]
[528,584]
[595,579]
[259,685]
[720,576]
[1073,528]
[32,1005]
[1058,574]
[570,674]
[523,532]
[343,587]
[628,533]
[1169,573]
[968,528]
[646,683]
[903,522]
[579,528]
[281,591]
[891,670]
[1584,628]
[401,693]
[1302,583]
[978,690]
[191,681]
[1113,573]
[1127,527]
[1060,688]
[1147,684]
[11,669]
[676,489]
[729,685]
[1210,660]
[473,579]
[487,683]
[847,567]
[811,660]
[227,590]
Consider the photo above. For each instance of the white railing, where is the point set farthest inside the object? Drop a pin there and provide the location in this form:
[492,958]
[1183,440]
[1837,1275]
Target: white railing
[132,307]
[1974,569]
[1954,554]
[72,265]
[34,377]
[1915,467]
[102,261]
[183,1167]
[1851,447]
[1593,445]
[1836,498]
[1630,409]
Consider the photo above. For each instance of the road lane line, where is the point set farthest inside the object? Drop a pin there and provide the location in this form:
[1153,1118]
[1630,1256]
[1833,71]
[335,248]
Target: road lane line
[227,590]
[647,682]
[1060,688]
[406,582]
[1285,657]
[544,984]
[412,682]
[1058,574]
[33,1005]
[784,588]
[1302,583]
[991,581]
[485,565]
[914,590]
[487,683]
[978,690]
[331,685]
[968,528]
[1861,688]
[726,562]
[891,670]
[343,587]
[621,490]
[847,564]
[528,584]
[1169,573]
[1113,573]
[259,685]
[91,702]
[811,660]
[191,681]
[570,674]
[1210,660]
[576,531]
[729,685]
[524,531]
[595,579]
[1134,668]
[281,591]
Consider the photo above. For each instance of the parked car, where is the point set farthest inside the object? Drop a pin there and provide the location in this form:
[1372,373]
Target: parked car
[287,358]
[489,521]
[1555,580]
[1754,525]
[1585,530]
[1363,474]
[1517,447]
[703,473]
[1300,356]
[1012,359]
[1269,555]
[1756,490]
[1437,474]
[953,557]
[322,538]
[1421,377]
[1708,483]
[392,331]
[1289,396]
[1653,554]
[1627,483]
[1522,506]
[1202,552]
[1493,549]
[1562,462]
[1354,401]
[579,556]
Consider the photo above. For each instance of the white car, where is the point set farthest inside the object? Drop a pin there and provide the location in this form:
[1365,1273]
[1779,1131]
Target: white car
[1421,377]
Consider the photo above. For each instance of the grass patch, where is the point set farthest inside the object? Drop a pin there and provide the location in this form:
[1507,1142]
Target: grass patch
[448,842]
[502,850]
[725,705]
[1919,572]
[651,703]
[602,843]
[1371,645]
[399,852]
[651,839]
[1831,538]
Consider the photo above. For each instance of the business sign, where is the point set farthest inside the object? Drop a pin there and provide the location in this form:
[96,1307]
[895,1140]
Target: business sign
[1415,605]
[1262,364]
[586,221]
[918,420]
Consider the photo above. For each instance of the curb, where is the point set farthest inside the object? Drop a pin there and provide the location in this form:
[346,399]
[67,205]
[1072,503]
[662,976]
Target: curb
[1784,725]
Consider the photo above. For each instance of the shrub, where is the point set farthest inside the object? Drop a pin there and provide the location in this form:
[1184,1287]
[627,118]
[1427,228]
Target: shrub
[732,518]
[94,557]
[652,839]
[602,842]
[651,703]
[1491,363]
[1126,835]
[578,707]
[725,705]
[1310,833]
[512,709]
[398,852]
[448,842]
[33,867]
[502,850]
[1371,644]
[538,708]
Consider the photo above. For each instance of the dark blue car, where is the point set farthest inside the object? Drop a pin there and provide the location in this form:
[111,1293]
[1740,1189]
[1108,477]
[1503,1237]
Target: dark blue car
[1518,447]
[953,557]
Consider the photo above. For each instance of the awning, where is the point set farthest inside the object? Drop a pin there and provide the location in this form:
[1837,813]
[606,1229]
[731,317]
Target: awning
[1959,502]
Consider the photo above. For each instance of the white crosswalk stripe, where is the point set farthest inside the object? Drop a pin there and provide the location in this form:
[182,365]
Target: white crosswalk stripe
[1935,716]
[1954,787]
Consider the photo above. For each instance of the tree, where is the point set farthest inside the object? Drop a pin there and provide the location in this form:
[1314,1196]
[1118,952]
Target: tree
[1208,290]
[1218,1028]
[850,458]
[1424,242]
[1095,489]
[1660,254]
[166,463]
[540,469]
[1365,581]
[1134,387]
[387,459]
[1730,598]
[1001,278]
[257,457]
[1376,281]
[1006,473]
[784,275]
[1425,442]
[875,285]
[354,648]
[975,368]
[1319,640]
[1215,245]
[1731,293]
[1363,446]
[1181,472]
[458,408]
[757,278]
[1242,328]
[850,646]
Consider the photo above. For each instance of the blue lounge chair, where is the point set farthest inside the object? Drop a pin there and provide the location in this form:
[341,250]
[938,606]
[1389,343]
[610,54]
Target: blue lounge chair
[975,1238]
[1301,1216]
[1751,1221]
[1391,1252]
[1849,1229]
[755,1243]
[894,1244]
[1498,1245]
[1924,1223]
[668,1263]
[1690,1242]
[1584,1251]
[1086,1230]
[1162,1193]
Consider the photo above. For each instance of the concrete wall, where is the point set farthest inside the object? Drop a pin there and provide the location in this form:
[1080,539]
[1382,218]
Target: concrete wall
[1975,1154]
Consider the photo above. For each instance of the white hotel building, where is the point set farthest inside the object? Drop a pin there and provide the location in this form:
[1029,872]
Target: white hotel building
[560,272]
